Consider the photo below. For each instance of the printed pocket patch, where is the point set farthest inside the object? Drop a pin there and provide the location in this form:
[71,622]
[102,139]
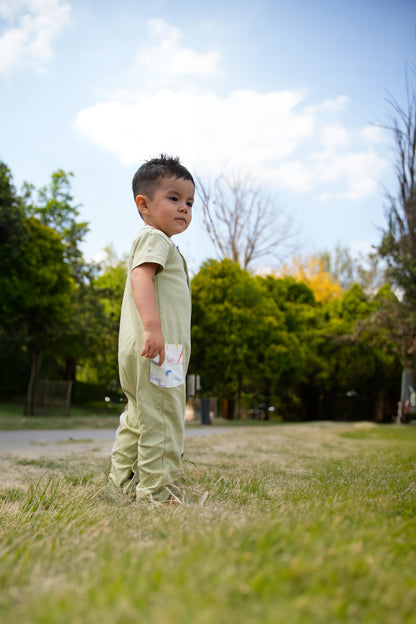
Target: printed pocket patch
[170,374]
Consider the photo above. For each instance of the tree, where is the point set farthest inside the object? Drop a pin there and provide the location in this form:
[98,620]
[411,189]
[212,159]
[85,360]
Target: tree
[13,361]
[12,232]
[243,223]
[397,323]
[294,388]
[361,360]
[398,244]
[54,206]
[347,270]
[34,280]
[266,339]
[47,295]
[222,317]
[47,307]
[310,270]
[242,347]
[99,364]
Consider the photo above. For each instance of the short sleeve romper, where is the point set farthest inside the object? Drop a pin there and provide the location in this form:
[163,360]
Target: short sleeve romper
[149,441]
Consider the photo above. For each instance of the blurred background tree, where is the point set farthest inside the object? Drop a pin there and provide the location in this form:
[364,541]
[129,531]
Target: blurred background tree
[243,222]
[267,340]
[398,244]
[35,284]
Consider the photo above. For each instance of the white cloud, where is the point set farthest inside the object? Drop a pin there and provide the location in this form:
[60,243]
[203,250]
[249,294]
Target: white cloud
[274,136]
[295,176]
[163,57]
[245,128]
[334,136]
[373,134]
[356,174]
[267,134]
[352,175]
[32,26]
[336,105]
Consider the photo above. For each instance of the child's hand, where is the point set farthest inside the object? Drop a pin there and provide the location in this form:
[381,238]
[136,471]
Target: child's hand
[153,345]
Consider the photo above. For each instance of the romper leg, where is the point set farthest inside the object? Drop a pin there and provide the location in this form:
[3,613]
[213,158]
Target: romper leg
[124,455]
[161,413]
[149,441]
[123,473]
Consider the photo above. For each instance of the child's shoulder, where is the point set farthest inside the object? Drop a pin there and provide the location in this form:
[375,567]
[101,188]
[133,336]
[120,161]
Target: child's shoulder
[151,238]
[148,232]
[151,245]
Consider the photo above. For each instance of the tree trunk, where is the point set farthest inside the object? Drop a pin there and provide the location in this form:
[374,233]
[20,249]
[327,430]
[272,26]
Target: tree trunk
[36,360]
[68,399]
[71,368]
[239,393]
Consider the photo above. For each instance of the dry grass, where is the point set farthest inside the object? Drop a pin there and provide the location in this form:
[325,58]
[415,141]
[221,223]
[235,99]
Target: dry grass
[293,523]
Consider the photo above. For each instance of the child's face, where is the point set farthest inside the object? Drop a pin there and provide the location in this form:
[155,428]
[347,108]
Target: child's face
[170,208]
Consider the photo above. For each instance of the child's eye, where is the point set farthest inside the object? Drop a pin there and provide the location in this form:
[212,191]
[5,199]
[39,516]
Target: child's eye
[173,198]
[189,204]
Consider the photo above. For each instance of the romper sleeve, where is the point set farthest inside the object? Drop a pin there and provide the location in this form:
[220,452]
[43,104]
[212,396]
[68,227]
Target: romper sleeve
[151,246]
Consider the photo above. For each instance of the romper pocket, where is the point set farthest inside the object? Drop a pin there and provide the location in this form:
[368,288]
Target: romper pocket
[170,374]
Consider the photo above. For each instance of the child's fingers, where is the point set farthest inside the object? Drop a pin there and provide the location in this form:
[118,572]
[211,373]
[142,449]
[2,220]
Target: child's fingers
[162,355]
[153,352]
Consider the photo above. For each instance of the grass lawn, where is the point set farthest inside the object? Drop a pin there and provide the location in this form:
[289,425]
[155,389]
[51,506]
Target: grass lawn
[281,524]
[96,417]
[99,416]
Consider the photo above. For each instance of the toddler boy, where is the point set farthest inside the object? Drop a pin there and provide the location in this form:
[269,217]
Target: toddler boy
[154,338]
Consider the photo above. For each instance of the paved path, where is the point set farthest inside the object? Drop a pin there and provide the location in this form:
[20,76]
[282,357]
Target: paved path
[17,440]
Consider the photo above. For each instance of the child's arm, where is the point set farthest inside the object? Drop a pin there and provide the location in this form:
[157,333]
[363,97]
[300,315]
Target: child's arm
[145,300]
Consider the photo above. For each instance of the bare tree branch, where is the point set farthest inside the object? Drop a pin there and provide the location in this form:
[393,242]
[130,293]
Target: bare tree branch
[398,245]
[243,223]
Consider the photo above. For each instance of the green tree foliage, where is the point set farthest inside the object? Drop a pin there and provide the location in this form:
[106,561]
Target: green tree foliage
[353,361]
[223,305]
[34,279]
[13,231]
[396,322]
[48,287]
[58,313]
[100,365]
[33,276]
[356,361]
[267,339]
[241,343]
[54,206]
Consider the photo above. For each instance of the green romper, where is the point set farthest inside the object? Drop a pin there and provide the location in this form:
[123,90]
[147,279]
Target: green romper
[149,441]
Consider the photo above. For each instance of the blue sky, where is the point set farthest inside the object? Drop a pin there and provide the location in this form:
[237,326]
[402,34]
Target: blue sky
[290,92]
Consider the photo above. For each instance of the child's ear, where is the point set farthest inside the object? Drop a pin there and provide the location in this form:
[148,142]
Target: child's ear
[141,203]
